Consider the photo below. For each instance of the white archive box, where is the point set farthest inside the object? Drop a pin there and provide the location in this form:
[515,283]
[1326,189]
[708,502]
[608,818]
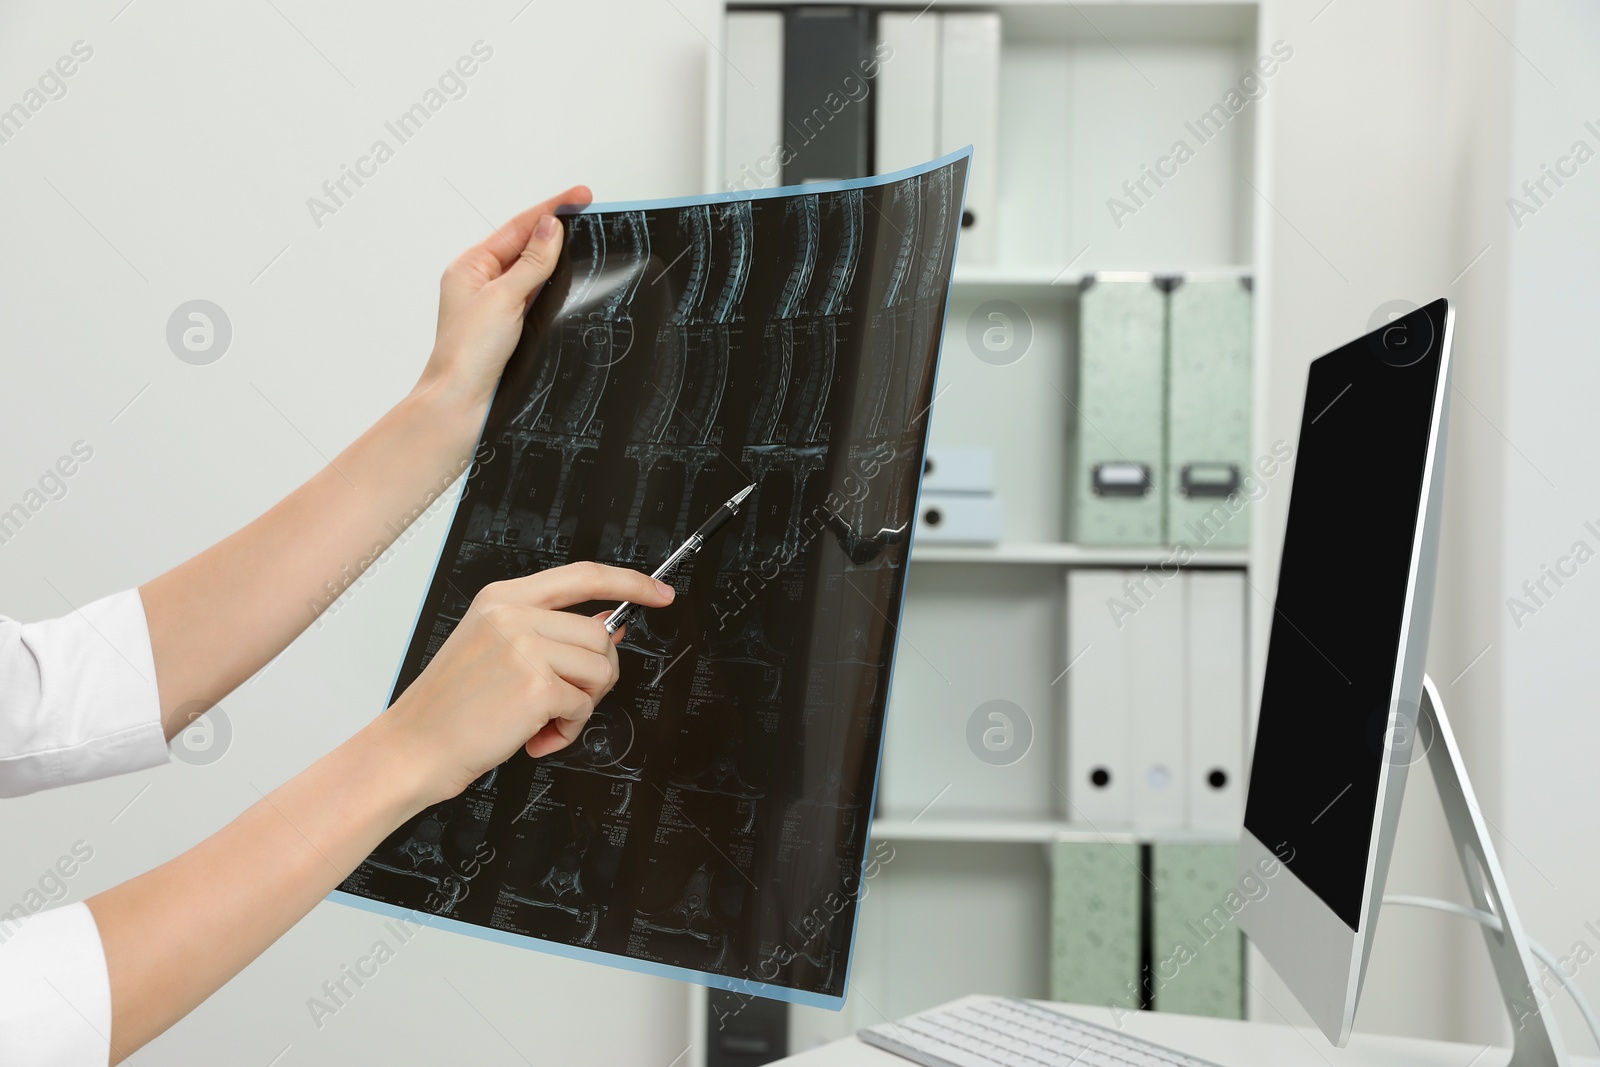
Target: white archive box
[958,469]
[967,518]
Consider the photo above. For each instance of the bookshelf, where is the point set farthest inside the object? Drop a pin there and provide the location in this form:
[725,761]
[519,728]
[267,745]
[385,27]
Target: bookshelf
[1090,91]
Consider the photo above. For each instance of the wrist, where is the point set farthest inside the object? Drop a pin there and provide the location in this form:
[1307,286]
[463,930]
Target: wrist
[401,774]
[438,426]
[445,406]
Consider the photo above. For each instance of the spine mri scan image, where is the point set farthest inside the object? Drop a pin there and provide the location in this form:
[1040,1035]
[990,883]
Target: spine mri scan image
[711,821]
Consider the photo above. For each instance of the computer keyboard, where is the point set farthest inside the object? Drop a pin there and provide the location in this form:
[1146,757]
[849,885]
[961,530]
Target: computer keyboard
[1007,1032]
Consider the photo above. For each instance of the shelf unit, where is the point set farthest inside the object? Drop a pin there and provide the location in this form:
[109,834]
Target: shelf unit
[1021,832]
[1070,555]
[1090,91]
[1069,281]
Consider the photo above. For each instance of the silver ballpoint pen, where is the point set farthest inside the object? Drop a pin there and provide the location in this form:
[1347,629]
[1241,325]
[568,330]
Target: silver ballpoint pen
[690,546]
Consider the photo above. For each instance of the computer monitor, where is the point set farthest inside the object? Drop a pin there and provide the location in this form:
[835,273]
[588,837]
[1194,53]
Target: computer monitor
[1344,670]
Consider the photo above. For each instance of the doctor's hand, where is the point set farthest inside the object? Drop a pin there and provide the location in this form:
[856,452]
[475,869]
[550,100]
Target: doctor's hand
[482,298]
[517,672]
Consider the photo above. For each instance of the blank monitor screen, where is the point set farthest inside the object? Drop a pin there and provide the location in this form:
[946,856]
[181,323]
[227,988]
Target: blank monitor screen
[1354,514]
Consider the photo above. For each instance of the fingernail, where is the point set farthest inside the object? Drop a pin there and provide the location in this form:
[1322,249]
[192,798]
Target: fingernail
[666,590]
[545,228]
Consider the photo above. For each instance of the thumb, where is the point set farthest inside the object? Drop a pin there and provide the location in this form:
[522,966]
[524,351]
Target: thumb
[535,262]
[622,631]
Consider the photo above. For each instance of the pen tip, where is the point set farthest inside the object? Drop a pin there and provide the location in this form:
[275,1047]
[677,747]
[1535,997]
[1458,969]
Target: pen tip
[738,498]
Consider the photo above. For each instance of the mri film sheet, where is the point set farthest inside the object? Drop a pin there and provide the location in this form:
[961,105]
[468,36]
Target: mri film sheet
[711,822]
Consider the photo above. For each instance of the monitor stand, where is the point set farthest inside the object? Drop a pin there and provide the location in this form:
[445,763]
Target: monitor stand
[1535,1040]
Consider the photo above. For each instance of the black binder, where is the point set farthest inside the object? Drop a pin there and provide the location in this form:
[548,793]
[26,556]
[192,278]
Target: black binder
[827,104]
[745,1031]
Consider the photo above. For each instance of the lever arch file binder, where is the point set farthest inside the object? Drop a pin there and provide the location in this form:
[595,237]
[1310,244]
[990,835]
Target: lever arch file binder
[1120,455]
[1097,760]
[1214,676]
[1095,903]
[969,113]
[1208,441]
[1196,949]
[1146,924]
[1152,644]
[824,49]
[906,127]
[752,121]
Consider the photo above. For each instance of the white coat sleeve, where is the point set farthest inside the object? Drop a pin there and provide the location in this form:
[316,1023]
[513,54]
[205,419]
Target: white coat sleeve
[78,697]
[55,993]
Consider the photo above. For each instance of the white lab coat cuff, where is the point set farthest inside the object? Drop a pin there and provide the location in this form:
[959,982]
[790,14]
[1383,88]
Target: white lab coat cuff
[80,697]
[55,992]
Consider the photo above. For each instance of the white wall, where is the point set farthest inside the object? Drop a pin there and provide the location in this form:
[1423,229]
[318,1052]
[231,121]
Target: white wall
[1396,143]
[1550,689]
[1387,142]
[177,166]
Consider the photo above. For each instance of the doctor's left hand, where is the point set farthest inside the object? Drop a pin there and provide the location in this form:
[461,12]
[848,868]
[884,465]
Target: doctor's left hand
[484,295]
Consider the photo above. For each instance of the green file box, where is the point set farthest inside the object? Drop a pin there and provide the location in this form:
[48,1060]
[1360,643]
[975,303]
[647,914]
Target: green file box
[1094,923]
[1196,949]
[1119,453]
[1208,438]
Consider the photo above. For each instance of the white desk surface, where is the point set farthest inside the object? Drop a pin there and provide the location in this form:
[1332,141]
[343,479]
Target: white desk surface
[1229,1044]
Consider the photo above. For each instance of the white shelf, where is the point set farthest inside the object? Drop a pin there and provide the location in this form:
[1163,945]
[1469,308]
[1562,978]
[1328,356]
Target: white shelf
[996,831]
[1026,831]
[1071,279]
[1018,277]
[1122,20]
[1076,555]
[1231,7]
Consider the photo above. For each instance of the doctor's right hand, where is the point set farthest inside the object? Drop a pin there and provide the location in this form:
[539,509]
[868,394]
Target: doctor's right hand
[518,671]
